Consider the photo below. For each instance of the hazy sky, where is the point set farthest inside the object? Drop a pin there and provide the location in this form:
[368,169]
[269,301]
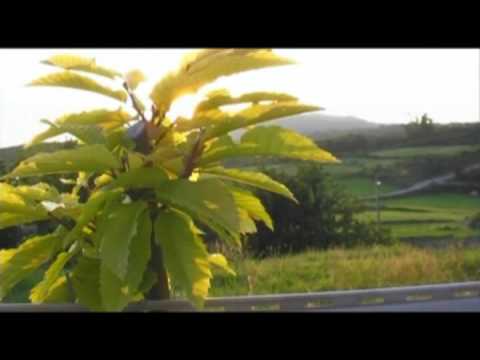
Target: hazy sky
[379,85]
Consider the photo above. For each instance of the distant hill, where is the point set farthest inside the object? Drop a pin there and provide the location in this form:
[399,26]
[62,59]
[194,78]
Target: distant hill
[319,125]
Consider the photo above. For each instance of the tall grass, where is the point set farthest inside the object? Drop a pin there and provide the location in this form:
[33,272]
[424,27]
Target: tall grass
[342,269]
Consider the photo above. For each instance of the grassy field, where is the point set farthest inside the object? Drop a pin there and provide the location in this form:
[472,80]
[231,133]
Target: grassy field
[438,215]
[426,151]
[428,215]
[447,201]
[363,187]
[361,268]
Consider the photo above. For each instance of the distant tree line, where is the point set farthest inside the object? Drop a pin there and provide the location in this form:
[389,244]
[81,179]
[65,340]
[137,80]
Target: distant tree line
[421,132]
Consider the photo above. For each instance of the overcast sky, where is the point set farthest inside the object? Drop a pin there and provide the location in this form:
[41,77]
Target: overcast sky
[379,85]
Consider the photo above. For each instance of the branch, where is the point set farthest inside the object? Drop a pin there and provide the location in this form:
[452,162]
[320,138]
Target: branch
[197,151]
[134,101]
[61,221]
[71,290]
[167,130]
[154,114]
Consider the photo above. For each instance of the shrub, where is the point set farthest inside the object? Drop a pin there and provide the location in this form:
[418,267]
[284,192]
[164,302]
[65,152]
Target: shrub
[325,219]
[144,183]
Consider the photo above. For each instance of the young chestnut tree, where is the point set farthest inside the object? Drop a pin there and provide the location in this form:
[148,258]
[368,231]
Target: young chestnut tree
[145,183]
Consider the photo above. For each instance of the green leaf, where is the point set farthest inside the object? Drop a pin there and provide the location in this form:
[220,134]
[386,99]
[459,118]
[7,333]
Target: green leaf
[208,201]
[219,143]
[149,279]
[219,261]
[252,205]
[115,293]
[17,264]
[202,67]
[162,154]
[86,283]
[89,211]
[121,228]
[73,80]
[88,158]
[105,119]
[74,62]
[185,255]
[252,178]
[139,253]
[40,292]
[270,141]
[112,291]
[140,178]
[59,292]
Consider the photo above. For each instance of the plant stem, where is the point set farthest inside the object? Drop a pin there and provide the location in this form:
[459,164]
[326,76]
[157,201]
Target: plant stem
[197,150]
[160,291]
[134,101]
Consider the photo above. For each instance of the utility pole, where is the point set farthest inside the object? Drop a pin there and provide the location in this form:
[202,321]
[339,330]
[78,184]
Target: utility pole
[377,185]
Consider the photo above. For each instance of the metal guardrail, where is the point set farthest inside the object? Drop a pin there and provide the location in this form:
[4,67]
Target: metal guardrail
[330,300]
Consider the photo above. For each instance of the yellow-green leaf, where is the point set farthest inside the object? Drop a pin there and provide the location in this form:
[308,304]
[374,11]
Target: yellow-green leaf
[40,292]
[270,141]
[86,283]
[139,253]
[11,202]
[185,255]
[87,134]
[208,201]
[121,228]
[19,263]
[247,225]
[79,63]
[220,98]
[15,219]
[88,158]
[116,293]
[219,123]
[252,205]
[38,192]
[140,178]
[59,293]
[252,178]
[105,119]
[221,262]
[134,78]
[89,211]
[203,67]
[73,80]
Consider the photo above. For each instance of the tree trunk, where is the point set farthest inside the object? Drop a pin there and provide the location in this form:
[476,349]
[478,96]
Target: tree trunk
[160,291]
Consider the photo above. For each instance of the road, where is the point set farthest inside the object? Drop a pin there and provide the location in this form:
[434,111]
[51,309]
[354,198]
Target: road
[459,305]
[422,185]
